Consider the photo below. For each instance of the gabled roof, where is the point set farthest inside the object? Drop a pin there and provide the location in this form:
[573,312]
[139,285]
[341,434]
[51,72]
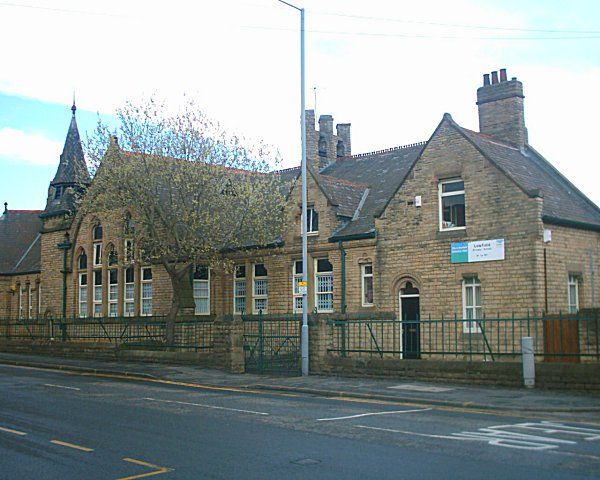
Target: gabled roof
[563,203]
[380,172]
[20,241]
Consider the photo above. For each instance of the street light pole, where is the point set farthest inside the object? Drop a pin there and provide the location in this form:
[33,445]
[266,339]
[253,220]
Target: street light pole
[304,331]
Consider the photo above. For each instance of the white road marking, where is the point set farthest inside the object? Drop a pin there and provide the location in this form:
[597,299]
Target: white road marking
[371,414]
[505,436]
[10,430]
[61,386]
[71,445]
[421,388]
[205,406]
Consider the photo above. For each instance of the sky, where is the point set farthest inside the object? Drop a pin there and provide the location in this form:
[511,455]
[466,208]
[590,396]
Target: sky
[390,68]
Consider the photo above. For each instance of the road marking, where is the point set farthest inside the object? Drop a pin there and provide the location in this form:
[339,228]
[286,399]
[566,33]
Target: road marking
[71,445]
[505,436]
[158,470]
[372,414]
[10,430]
[60,386]
[421,388]
[205,406]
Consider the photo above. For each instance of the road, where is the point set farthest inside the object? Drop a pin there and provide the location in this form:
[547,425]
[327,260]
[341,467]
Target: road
[57,425]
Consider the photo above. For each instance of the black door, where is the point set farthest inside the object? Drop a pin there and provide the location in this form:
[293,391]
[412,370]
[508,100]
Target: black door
[411,341]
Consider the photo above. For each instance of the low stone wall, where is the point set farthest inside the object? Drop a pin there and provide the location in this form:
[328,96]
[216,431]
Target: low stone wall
[568,376]
[499,374]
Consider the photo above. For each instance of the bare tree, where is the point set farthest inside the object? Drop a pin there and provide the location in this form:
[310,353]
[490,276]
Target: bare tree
[193,192]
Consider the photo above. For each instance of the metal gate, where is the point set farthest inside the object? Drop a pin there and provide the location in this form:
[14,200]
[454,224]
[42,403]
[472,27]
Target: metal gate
[272,344]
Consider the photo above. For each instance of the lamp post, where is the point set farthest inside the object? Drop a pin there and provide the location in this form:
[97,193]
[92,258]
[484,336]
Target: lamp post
[65,245]
[304,331]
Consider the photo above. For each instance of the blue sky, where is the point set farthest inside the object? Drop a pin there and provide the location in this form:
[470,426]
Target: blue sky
[390,68]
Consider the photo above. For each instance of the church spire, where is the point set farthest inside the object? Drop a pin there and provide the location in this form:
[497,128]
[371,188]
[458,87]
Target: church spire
[72,175]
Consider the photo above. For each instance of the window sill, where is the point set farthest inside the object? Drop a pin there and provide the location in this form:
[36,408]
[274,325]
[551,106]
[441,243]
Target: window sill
[368,305]
[460,232]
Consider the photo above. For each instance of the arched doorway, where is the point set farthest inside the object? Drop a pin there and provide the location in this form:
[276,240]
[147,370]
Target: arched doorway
[410,317]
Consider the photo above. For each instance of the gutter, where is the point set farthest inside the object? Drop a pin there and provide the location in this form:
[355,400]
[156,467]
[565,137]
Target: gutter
[570,223]
[343,265]
[355,236]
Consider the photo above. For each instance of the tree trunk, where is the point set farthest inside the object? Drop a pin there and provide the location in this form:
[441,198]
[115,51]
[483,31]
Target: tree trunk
[181,287]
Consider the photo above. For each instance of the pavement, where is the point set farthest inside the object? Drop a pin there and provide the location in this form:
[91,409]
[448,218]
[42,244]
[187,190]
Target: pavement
[392,390]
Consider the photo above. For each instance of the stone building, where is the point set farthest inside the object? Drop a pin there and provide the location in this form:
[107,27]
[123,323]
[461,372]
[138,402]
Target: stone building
[464,223]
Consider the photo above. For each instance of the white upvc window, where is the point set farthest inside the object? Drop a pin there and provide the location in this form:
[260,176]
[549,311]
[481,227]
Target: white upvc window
[39,295]
[97,255]
[20,301]
[472,309]
[29,302]
[323,285]
[297,277]
[573,293]
[260,288]
[451,196]
[367,284]
[129,292]
[312,221]
[97,295]
[113,292]
[128,250]
[83,295]
[239,290]
[146,291]
[201,287]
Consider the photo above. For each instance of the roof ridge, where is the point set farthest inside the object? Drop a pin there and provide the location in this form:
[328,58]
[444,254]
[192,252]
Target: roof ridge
[385,150]
[285,170]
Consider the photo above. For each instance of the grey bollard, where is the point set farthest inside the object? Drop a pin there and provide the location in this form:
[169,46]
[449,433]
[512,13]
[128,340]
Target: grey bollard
[528,362]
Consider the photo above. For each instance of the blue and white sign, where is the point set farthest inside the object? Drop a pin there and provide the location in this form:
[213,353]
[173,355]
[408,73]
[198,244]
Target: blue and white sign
[479,251]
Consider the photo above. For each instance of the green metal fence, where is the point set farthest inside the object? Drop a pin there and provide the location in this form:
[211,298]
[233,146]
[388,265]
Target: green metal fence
[561,338]
[149,332]
[272,344]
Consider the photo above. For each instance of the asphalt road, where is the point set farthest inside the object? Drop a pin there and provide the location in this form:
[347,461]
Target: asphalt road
[59,425]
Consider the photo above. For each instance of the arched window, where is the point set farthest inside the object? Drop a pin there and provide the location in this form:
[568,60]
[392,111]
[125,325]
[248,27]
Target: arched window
[97,232]
[113,256]
[128,227]
[82,261]
[340,150]
[322,147]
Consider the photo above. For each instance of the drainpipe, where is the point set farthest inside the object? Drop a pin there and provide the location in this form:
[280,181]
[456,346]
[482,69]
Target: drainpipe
[343,262]
[65,245]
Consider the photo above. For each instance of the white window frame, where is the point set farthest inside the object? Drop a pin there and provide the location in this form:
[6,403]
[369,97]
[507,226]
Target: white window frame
[145,296]
[113,293]
[363,276]
[262,296]
[239,295]
[450,194]
[469,324]
[39,305]
[29,302]
[296,295]
[97,255]
[97,302]
[83,304]
[20,302]
[199,282]
[319,276]
[573,303]
[128,299]
[310,212]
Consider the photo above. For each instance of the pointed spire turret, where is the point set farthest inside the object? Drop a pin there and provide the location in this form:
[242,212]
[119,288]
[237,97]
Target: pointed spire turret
[72,175]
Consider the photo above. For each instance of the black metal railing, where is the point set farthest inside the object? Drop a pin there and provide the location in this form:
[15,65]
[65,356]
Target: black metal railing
[190,333]
[564,338]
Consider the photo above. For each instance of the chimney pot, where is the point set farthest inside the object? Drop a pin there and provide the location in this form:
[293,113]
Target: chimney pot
[503,74]
[5,207]
[486,79]
[514,79]
[494,77]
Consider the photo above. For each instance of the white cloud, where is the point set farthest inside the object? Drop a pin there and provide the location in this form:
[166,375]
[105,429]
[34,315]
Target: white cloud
[32,148]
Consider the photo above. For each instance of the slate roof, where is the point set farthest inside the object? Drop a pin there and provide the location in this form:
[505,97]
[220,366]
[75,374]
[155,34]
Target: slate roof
[72,171]
[563,202]
[20,250]
[376,176]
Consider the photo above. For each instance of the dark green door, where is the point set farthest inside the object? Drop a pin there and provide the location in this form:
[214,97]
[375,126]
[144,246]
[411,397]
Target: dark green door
[411,331]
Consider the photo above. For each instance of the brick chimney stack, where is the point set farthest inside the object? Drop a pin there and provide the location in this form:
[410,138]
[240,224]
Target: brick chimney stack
[501,111]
